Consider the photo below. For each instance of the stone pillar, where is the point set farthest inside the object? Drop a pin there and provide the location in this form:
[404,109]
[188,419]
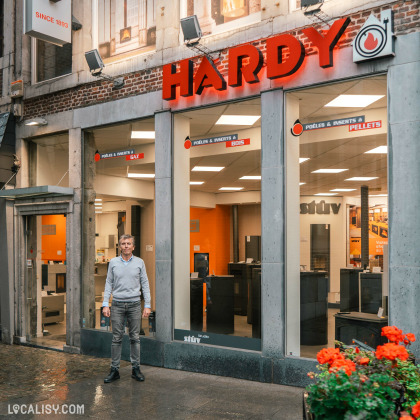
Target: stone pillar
[163,226]
[404,191]
[272,225]
[74,244]
[88,223]
[7,314]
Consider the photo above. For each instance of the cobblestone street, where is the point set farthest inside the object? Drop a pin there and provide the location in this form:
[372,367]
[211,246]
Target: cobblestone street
[33,379]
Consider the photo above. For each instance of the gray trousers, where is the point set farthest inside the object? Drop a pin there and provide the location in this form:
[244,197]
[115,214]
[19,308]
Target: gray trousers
[119,312]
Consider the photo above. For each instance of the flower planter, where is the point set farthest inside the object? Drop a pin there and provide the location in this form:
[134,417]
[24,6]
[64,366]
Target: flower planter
[355,383]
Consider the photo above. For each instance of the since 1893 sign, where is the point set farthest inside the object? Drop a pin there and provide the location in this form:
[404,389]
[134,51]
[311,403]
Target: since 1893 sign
[47,20]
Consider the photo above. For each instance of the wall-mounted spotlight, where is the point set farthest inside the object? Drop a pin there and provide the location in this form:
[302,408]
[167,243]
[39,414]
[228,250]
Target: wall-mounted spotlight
[191,29]
[96,65]
[36,122]
[192,34]
[312,10]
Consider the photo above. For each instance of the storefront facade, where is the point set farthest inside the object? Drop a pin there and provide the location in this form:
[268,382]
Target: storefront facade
[287,190]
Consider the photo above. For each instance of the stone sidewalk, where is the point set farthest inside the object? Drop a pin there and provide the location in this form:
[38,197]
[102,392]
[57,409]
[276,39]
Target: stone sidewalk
[35,380]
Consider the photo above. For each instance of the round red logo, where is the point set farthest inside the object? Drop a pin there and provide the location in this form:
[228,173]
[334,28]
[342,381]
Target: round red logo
[297,128]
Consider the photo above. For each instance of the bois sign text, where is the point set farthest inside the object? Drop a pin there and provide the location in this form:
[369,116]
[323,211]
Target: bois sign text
[246,61]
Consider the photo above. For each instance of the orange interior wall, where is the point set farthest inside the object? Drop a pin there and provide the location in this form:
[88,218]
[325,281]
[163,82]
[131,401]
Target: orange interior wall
[52,243]
[213,237]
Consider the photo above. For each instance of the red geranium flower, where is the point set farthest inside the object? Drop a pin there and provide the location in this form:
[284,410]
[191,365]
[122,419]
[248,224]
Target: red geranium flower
[328,355]
[410,337]
[364,361]
[406,418]
[343,364]
[393,334]
[392,351]
[415,411]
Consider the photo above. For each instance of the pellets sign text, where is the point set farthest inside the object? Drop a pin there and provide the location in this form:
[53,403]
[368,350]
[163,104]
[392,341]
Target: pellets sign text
[246,61]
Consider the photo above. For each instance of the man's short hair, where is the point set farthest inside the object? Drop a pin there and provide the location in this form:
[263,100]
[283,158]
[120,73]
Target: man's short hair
[127,236]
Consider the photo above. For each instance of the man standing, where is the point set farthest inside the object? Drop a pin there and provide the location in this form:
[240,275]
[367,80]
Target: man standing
[126,280]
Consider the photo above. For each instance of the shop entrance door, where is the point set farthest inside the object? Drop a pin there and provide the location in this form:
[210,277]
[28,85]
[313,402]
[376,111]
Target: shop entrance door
[45,280]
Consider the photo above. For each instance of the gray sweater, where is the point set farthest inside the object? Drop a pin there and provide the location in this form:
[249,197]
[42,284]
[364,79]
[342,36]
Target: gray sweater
[127,281]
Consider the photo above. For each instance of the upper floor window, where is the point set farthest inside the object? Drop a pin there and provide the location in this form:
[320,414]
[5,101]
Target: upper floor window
[222,15]
[125,27]
[51,60]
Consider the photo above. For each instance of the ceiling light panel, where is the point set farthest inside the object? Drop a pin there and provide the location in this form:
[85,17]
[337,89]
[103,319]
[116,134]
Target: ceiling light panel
[231,188]
[142,134]
[237,119]
[196,182]
[380,149]
[362,178]
[329,171]
[301,160]
[328,194]
[343,189]
[251,177]
[353,101]
[207,168]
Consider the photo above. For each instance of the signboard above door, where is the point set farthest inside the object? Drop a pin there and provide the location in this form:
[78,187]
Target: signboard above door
[48,21]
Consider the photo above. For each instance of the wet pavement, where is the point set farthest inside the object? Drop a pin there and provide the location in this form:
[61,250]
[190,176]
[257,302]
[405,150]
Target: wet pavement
[38,383]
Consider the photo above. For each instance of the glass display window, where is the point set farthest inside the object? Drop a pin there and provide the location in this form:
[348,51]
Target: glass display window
[118,199]
[50,61]
[217,208]
[337,217]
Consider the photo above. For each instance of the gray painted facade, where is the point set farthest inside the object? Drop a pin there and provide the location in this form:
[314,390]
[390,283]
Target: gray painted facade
[271,364]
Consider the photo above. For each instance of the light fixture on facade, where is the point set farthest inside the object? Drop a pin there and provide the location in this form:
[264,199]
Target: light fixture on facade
[301,160]
[329,171]
[379,149]
[96,65]
[361,178]
[192,34]
[36,122]
[251,177]
[136,175]
[237,119]
[207,168]
[196,182]
[231,188]
[353,101]
[142,134]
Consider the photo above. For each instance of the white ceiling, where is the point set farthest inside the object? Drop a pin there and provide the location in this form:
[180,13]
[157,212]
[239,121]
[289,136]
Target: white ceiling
[341,153]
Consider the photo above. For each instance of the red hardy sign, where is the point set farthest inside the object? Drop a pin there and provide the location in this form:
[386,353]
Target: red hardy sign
[245,63]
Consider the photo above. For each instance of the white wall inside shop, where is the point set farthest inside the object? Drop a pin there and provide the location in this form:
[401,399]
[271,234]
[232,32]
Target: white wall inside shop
[249,224]
[337,230]
[106,225]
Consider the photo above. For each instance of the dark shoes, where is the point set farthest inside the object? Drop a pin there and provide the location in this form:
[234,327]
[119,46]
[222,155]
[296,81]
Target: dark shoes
[113,375]
[137,375]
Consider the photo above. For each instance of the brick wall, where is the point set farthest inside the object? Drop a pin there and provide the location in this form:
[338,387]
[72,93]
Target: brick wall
[406,20]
